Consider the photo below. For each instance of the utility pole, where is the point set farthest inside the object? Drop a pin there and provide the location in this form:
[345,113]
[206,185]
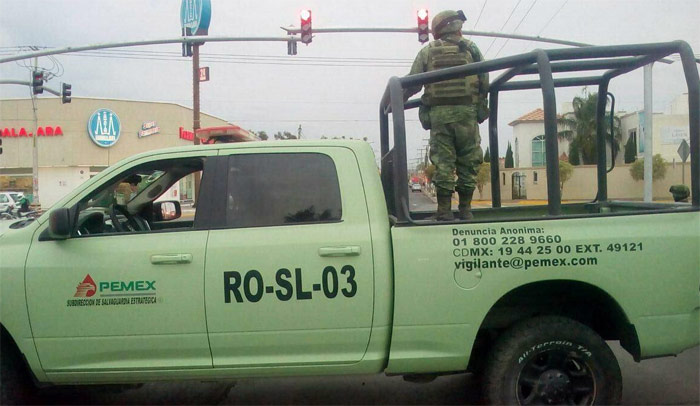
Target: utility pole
[196,123]
[648,134]
[35,151]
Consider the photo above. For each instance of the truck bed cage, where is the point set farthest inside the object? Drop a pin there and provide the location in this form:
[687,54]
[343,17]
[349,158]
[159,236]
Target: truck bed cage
[615,60]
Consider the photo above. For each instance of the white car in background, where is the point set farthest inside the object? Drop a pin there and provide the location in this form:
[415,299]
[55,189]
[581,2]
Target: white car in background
[415,187]
[8,201]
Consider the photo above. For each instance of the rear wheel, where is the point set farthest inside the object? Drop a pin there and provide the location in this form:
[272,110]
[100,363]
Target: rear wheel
[552,360]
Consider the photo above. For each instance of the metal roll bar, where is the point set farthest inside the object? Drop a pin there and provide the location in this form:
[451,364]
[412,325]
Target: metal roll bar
[615,60]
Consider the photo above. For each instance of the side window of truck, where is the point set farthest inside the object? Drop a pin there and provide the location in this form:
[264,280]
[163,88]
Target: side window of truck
[282,189]
[147,198]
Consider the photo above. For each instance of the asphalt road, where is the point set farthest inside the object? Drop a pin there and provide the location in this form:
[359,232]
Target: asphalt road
[668,381]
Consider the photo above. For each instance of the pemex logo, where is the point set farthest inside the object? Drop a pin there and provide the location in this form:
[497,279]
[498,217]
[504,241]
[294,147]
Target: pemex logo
[86,288]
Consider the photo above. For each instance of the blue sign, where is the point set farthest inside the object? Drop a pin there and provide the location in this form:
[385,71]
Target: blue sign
[104,128]
[195,16]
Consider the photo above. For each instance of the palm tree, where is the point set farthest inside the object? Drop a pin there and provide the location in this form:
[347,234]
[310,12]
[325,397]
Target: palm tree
[580,128]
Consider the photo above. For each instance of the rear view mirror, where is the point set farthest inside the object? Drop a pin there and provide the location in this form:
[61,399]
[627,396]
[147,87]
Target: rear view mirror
[169,210]
[60,225]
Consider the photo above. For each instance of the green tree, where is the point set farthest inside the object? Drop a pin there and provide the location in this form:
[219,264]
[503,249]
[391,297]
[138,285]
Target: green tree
[487,155]
[658,168]
[580,127]
[509,157]
[574,153]
[429,172]
[565,172]
[631,150]
[263,135]
[483,176]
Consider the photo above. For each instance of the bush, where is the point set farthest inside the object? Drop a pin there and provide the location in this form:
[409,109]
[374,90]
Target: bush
[483,177]
[658,168]
[565,172]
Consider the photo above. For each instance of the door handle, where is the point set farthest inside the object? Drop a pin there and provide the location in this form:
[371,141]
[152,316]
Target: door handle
[170,259]
[348,251]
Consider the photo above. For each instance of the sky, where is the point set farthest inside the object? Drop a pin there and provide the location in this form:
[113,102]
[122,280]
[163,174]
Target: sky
[332,87]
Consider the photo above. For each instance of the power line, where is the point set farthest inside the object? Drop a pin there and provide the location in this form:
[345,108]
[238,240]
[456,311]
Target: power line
[177,55]
[503,26]
[552,18]
[516,27]
[247,59]
[483,6]
[248,62]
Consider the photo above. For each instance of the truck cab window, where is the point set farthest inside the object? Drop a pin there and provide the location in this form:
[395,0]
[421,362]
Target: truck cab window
[142,199]
[282,189]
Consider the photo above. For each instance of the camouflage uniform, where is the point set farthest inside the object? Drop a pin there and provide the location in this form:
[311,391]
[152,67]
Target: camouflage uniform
[452,110]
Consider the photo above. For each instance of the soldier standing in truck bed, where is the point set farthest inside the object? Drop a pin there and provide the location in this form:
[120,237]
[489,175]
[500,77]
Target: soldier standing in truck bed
[451,110]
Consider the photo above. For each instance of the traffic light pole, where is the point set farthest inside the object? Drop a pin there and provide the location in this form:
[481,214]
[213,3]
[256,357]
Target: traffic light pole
[35,150]
[196,124]
[25,83]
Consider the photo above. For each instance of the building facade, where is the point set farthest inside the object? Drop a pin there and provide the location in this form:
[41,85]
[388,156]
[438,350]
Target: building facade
[668,129]
[76,141]
[528,179]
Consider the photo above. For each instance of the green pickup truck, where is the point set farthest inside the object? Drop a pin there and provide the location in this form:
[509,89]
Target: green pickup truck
[300,259]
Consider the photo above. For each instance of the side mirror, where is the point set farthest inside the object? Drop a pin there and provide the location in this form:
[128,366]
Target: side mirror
[168,210]
[60,225]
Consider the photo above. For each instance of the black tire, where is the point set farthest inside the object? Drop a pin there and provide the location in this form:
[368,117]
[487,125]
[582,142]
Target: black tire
[16,385]
[552,360]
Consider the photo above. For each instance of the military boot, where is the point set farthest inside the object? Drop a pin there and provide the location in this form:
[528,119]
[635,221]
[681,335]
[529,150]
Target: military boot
[465,204]
[444,210]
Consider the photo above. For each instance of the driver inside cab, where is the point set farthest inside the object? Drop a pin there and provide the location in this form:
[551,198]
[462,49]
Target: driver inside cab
[127,189]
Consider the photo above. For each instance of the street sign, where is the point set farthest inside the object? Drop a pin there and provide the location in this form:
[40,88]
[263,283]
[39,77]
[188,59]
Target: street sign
[204,74]
[684,150]
[195,16]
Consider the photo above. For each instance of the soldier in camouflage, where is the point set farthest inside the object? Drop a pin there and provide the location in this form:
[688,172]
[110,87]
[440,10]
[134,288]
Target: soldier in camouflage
[451,110]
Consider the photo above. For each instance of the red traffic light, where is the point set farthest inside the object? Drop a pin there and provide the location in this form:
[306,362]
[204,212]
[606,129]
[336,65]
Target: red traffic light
[305,26]
[423,26]
[37,82]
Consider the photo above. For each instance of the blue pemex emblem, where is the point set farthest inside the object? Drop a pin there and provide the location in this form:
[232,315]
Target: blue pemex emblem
[195,16]
[104,128]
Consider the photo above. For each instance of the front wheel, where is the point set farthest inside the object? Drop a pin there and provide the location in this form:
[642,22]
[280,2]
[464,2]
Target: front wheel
[552,360]
[15,381]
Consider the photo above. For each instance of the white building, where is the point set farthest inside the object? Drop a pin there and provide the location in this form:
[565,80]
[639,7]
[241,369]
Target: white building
[669,129]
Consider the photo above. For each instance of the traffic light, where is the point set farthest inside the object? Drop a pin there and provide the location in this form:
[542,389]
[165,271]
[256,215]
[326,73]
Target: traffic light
[65,93]
[423,26]
[305,26]
[37,82]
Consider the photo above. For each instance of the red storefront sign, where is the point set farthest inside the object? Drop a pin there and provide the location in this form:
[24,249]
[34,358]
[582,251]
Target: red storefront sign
[186,135]
[23,132]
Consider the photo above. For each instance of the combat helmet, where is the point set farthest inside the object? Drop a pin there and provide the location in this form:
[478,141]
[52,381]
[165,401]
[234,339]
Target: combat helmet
[447,21]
